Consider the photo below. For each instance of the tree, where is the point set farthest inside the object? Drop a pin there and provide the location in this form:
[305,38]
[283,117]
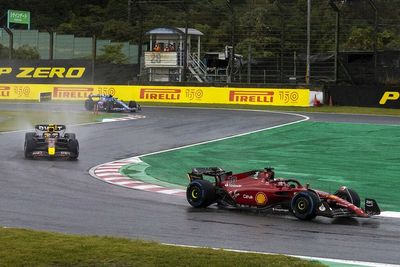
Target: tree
[112,54]
[261,30]
[23,52]
[388,40]
[360,38]
[26,52]
[117,30]
[3,51]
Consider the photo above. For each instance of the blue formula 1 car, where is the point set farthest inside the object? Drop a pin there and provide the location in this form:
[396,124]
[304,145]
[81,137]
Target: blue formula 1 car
[108,103]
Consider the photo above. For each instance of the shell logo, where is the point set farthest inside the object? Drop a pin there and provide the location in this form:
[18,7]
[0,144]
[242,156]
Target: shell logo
[261,198]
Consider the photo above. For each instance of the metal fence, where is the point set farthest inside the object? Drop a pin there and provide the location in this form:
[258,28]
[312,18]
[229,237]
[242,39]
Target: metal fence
[269,38]
[65,46]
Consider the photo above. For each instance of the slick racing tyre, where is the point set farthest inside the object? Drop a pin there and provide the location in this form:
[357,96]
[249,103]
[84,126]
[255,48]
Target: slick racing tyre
[349,195]
[304,205]
[200,193]
[89,104]
[109,107]
[132,104]
[29,145]
[70,136]
[73,147]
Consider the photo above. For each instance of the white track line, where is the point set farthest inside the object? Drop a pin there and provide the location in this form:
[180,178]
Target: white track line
[350,262]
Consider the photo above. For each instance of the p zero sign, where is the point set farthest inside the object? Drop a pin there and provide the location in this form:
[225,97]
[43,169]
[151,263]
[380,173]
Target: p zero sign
[389,96]
[45,71]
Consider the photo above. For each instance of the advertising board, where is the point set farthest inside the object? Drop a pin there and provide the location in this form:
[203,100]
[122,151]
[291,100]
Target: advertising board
[164,94]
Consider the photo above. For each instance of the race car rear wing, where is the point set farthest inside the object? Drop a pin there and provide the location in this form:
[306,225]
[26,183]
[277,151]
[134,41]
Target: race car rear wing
[216,172]
[91,96]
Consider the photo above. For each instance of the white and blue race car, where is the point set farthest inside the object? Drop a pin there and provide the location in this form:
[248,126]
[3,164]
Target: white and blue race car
[108,103]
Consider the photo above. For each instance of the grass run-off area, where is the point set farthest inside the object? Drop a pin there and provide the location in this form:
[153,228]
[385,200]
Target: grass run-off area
[327,155]
[11,120]
[35,248]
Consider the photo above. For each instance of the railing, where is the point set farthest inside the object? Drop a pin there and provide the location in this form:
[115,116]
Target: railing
[197,68]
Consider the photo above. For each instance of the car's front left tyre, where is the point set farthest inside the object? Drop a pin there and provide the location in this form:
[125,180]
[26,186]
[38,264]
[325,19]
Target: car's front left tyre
[73,147]
[304,205]
[89,104]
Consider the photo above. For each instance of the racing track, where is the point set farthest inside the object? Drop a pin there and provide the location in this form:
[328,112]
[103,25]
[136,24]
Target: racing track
[61,196]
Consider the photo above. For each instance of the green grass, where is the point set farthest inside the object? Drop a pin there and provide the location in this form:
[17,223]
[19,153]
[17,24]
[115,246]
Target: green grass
[26,119]
[324,109]
[35,248]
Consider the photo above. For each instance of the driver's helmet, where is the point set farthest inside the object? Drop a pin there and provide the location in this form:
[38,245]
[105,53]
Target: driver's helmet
[51,128]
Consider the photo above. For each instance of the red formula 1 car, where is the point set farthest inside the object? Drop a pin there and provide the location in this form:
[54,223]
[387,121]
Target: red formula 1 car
[259,189]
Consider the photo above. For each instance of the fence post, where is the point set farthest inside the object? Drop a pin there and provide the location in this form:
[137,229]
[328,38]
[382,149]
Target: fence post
[375,44]
[94,51]
[308,41]
[337,29]
[51,45]
[10,42]
[249,64]
[282,41]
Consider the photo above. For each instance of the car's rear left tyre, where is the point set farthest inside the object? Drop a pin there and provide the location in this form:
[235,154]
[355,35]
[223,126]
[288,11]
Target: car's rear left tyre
[200,193]
[304,205]
[29,145]
[349,195]
[109,106]
[73,148]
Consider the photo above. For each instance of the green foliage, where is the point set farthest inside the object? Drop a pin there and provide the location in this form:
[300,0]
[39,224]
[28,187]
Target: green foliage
[23,52]
[117,30]
[112,54]
[3,51]
[260,25]
[388,40]
[360,38]
[90,23]
[26,52]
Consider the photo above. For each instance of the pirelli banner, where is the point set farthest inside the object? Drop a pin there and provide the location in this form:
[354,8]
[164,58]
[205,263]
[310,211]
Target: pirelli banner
[166,94]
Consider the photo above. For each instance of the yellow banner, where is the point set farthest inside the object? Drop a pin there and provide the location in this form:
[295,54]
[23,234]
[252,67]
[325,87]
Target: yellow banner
[165,94]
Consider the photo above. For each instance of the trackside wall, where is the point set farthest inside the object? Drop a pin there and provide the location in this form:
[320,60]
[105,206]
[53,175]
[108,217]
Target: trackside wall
[165,94]
[367,95]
